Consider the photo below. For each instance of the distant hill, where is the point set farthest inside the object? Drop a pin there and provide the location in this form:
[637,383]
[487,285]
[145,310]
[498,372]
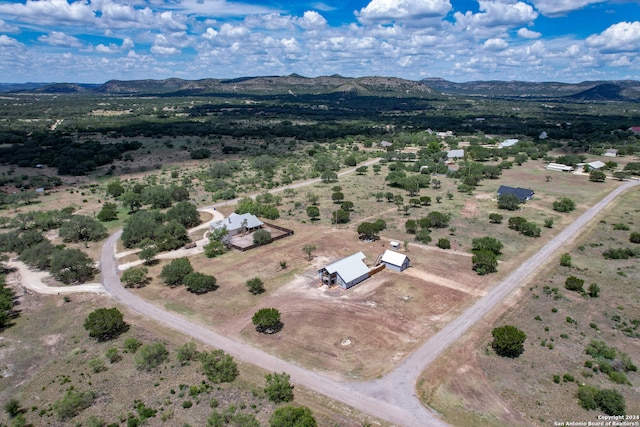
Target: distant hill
[275,85]
[296,85]
[585,91]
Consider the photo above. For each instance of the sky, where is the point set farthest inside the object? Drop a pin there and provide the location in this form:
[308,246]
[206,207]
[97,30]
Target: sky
[93,41]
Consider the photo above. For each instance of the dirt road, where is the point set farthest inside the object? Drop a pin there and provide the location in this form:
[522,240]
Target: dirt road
[392,397]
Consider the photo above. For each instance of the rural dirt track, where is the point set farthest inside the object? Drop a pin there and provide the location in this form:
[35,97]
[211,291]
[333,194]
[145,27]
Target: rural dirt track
[391,397]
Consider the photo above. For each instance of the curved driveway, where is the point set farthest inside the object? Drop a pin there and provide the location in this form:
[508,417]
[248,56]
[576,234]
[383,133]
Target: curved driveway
[391,397]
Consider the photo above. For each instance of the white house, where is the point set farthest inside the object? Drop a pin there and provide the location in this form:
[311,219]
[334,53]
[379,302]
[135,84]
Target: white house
[395,260]
[611,152]
[346,272]
[595,165]
[236,224]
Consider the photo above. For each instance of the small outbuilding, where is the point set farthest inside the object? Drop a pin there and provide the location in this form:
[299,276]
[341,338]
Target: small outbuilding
[346,272]
[611,152]
[395,260]
[507,143]
[523,194]
[559,167]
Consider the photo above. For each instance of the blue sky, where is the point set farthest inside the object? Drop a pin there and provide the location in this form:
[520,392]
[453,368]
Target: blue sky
[92,41]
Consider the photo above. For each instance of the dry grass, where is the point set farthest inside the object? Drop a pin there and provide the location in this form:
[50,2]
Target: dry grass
[554,346]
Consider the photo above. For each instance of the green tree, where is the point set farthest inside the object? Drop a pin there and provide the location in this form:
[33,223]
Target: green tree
[255,286]
[484,262]
[361,170]
[105,324]
[565,204]
[174,273]
[313,213]
[368,230]
[216,245]
[411,226]
[487,243]
[71,266]
[509,202]
[157,196]
[337,197]
[140,226]
[267,320]
[495,218]
[148,251]
[261,237]
[150,356]
[292,416]
[135,277]
[508,341]
[218,366]
[278,389]
[565,260]
[109,212]
[184,213]
[131,200]
[423,236]
[597,176]
[115,188]
[39,255]
[347,205]
[438,219]
[81,228]
[308,249]
[329,176]
[340,217]
[199,283]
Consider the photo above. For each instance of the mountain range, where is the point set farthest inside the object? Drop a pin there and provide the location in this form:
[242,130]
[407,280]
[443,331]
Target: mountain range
[296,85]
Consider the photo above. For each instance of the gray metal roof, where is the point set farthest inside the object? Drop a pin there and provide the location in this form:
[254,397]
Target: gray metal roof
[349,268]
[234,222]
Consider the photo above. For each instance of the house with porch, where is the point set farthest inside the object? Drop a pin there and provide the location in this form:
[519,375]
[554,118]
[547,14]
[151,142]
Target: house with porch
[238,224]
[523,194]
[346,272]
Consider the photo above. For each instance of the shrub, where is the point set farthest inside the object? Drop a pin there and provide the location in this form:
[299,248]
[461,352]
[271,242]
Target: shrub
[618,377]
[97,365]
[484,262]
[174,273]
[594,290]
[72,404]
[261,237]
[186,353]
[565,260]
[187,404]
[568,378]
[634,238]
[509,202]
[105,324]
[495,218]
[444,243]
[508,341]
[267,320]
[218,366]
[487,243]
[135,277]
[113,355]
[131,345]
[291,416]
[556,379]
[600,350]
[255,286]
[611,402]
[573,283]
[587,397]
[12,407]
[564,205]
[150,356]
[278,389]
[199,283]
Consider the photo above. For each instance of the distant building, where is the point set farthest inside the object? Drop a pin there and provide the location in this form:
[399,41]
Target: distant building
[455,154]
[611,152]
[346,272]
[385,144]
[595,165]
[395,261]
[237,224]
[635,129]
[559,167]
[543,135]
[523,194]
[507,143]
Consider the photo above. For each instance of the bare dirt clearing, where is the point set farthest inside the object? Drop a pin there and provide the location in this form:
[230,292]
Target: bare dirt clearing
[384,317]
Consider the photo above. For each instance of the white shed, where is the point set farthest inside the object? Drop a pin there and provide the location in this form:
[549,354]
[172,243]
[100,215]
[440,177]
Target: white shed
[395,260]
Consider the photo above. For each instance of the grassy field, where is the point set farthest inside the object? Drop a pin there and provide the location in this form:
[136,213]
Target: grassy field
[484,389]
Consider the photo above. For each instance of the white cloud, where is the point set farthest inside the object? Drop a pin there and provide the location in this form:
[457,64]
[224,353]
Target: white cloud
[232,31]
[526,33]
[312,20]
[496,13]
[402,10]
[496,44]
[111,48]
[561,7]
[6,41]
[269,21]
[6,28]
[210,34]
[620,37]
[44,12]
[60,39]
[164,50]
